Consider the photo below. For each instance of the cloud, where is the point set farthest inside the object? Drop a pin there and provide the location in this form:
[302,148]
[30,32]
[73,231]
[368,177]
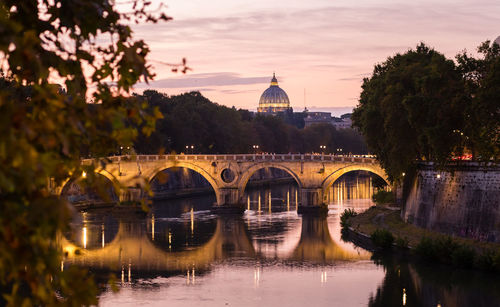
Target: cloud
[203,80]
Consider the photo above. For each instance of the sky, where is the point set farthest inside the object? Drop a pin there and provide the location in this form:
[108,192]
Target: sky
[323,48]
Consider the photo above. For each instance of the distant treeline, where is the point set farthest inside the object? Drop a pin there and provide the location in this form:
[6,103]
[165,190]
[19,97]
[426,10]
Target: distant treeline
[192,120]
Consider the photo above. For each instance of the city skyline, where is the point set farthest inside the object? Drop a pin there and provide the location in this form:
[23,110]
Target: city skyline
[325,48]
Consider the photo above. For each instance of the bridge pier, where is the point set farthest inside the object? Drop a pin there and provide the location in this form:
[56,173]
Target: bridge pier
[228,201]
[311,201]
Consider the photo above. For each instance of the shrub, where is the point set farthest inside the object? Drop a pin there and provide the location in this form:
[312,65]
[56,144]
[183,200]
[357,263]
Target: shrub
[426,249]
[463,256]
[488,261]
[383,197]
[382,238]
[344,217]
[402,242]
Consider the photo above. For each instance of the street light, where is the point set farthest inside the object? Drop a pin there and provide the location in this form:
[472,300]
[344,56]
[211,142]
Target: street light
[187,149]
[192,149]
[322,147]
[255,148]
[121,148]
[339,151]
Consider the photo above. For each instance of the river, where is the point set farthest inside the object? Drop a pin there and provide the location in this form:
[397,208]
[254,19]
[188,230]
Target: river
[179,254]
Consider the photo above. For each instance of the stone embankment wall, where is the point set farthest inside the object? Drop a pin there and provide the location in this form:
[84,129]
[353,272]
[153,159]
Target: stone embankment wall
[464,200]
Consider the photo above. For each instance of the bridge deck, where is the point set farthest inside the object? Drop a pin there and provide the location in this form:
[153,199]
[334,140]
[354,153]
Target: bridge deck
[245,157]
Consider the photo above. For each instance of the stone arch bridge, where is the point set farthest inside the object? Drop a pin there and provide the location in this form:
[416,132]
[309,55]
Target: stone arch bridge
[228,174]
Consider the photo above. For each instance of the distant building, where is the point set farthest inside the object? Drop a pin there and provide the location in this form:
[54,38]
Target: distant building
[317,118]
[326,118]
[274,100]
[344,123]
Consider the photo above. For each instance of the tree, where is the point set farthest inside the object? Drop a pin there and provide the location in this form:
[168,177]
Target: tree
[82,45]
[482,77]
[411,108]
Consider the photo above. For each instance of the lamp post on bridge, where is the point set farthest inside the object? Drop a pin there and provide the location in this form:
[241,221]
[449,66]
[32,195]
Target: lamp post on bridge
[255,148]
[189,149]
[322,147]
[339,151]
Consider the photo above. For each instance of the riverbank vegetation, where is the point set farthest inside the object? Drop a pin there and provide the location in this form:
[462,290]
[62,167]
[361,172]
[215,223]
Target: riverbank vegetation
[385,228]
[190,119]
[421,105]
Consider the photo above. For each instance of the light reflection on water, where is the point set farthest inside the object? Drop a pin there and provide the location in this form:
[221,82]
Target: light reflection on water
[182,255]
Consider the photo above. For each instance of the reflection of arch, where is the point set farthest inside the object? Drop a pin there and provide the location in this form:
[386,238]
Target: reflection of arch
[328,182]
[254,168]
[317,245]
[197,169]
[131,248]
[165,230]
[106,186]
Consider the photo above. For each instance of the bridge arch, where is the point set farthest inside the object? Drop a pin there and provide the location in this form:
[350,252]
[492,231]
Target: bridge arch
[72,196]
[211,180]
[247,174]
[328,182]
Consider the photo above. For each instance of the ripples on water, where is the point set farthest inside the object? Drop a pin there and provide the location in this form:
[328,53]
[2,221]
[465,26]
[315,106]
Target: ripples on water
[182,255]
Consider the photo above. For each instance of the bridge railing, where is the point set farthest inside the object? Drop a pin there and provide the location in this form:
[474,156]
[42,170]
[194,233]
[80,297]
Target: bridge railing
[243,158]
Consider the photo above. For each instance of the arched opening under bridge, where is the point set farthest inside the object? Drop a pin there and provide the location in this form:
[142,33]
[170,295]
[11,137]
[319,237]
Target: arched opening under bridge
[180,216]
[80,192]
[270,188]
[353,188]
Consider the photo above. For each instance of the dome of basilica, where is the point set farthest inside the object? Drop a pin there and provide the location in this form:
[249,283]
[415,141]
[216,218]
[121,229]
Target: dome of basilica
[274,99]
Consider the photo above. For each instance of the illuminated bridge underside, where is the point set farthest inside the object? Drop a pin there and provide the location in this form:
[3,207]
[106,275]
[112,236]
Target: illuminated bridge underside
[314,174]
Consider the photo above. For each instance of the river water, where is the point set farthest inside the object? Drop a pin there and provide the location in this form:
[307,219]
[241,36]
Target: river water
[180,254]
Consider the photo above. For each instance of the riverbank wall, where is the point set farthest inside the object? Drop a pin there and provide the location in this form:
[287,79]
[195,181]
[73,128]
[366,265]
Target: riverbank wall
[463,200]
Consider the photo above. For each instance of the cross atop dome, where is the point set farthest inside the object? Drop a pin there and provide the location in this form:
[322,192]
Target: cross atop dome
[274,81]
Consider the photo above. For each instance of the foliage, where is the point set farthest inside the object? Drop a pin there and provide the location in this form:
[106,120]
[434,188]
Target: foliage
[482,77]
[383,197]
[402,242]
[345,216]
[447,251]
[409,109]
[83,45]
[191,119]
[489,260]
[382,238]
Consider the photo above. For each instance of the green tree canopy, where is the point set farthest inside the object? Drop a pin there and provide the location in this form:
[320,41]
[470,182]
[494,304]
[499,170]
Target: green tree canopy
[482,77]
[83,45]
[411,108]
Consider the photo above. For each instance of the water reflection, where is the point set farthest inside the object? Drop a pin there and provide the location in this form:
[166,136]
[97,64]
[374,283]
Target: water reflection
[419,284]
[181,254]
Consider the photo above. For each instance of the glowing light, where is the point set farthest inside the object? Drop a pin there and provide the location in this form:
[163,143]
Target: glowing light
[129,272]
[192,221]
[259,204]
[153,227]
[323,277]
[169,240]
[438,176]
[404,297]
[296,200]
[84,239]
[256,277]
[269,201]
[102,230]
[84,174]
[248,202]
[62,266]
[123,275]
[288,200]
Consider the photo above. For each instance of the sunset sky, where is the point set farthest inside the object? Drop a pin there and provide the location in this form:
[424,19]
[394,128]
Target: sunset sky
[324,47]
